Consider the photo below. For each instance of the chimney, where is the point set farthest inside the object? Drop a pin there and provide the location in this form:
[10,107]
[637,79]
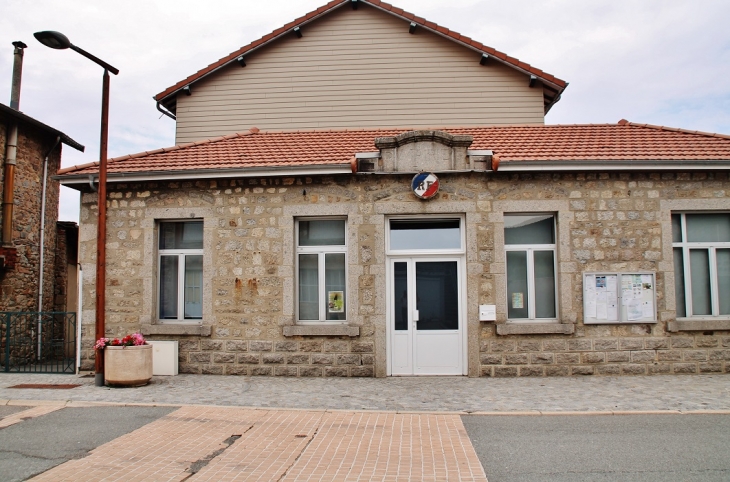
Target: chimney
[17,74]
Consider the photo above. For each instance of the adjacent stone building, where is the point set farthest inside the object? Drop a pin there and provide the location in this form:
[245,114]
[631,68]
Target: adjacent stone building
[401,209]
[33,149]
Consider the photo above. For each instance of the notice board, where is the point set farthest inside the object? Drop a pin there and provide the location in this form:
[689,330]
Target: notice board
[610,298]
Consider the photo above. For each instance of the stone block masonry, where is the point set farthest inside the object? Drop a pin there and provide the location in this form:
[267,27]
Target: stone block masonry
[605,222]
[19,284]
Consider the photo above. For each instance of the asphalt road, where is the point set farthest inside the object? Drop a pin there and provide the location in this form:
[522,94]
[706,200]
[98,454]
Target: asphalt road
[585,448]
[35,445]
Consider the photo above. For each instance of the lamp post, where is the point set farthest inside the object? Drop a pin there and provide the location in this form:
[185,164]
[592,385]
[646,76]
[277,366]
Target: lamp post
[57,40]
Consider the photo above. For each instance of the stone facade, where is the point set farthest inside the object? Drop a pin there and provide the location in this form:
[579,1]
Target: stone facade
[605,222]
[19,284]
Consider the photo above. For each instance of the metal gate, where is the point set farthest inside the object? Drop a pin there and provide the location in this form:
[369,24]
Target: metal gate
[36,342]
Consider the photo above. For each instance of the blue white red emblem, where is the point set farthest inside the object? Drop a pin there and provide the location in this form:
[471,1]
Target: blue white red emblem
[425,185]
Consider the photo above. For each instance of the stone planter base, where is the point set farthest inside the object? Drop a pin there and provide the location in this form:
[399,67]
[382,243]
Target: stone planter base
[127,366]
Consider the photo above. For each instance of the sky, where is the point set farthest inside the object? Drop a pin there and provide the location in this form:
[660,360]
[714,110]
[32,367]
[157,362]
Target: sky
[662,62]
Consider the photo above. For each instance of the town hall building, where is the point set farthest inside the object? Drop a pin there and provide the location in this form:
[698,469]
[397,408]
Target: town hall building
[363,192]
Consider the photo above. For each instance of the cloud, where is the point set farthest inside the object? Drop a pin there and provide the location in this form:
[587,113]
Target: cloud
[659,62]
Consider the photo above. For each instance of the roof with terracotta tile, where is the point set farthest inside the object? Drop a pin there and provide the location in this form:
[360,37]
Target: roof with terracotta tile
[334,4]
[623,141]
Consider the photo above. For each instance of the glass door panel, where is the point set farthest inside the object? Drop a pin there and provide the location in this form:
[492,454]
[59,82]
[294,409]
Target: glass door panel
[437,295]
[400,295]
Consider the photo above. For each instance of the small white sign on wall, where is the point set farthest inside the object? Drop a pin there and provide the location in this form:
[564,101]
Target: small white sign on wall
[628,297]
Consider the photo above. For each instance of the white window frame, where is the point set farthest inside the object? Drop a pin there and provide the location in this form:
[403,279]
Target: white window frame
[321,251]
[530,249]
[181,254]
[712,248]
[426,218]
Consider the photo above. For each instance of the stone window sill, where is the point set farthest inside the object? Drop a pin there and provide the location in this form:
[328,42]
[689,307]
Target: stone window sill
[689,324]
[176,329]
[321,330]
[535,328]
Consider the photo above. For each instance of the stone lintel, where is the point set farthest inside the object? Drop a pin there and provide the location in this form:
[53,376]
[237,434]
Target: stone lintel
[321,330]
[173,329]
[535,329]
[698,325]
[441,137]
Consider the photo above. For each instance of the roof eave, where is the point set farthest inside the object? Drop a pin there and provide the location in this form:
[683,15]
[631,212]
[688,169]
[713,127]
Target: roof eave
[168,97]
[40,125]
[169,100]
[72,180]
[615,165]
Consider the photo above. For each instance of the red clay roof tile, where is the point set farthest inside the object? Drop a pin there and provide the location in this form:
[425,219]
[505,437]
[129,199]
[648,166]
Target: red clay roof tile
[590,142]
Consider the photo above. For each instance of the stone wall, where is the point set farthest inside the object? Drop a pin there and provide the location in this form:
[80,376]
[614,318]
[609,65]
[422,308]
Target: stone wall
[19,286]
[606,222]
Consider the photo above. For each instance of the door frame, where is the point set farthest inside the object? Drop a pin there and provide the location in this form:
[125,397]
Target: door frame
[427,255]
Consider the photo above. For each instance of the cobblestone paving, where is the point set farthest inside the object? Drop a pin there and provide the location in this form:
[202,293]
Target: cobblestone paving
[452,394]
[283,445]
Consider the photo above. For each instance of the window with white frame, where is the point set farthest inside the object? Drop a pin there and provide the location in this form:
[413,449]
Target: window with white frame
[701,244]
[180,268]
[321,270]
[529,242]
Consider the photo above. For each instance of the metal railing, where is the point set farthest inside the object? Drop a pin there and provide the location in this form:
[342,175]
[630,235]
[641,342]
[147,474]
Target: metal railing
[38,342]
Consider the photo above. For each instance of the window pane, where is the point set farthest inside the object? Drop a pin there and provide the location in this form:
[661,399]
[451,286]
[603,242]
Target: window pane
[437,295]
[723,279]
[708,227]
[193,286]
[181,235]
[679,282]
[433,234]
[676,228]
[529,229]
[400,295]
[334,280]
[517,284]
[168,287]
[544,284]
[322,233]
[700,272]
[308,287]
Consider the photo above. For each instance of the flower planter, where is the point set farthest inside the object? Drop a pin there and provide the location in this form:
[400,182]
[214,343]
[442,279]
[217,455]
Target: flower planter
[127,366]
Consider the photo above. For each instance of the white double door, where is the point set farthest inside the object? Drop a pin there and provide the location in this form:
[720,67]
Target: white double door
[425,322]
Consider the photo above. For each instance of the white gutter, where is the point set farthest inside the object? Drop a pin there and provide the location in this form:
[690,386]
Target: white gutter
[212,174]
[42,245]
[614,165]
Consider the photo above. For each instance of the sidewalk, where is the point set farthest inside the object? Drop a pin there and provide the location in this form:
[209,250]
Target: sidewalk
[414,394]
[296,429]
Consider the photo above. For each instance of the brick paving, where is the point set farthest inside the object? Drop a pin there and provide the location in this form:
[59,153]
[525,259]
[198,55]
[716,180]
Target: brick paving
[286,429]
[226,444]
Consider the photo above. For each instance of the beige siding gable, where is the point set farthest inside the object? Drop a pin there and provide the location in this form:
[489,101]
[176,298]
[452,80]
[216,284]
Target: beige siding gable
[357,68]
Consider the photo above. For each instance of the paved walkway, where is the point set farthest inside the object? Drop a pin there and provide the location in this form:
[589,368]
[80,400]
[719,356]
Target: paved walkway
[417,394]
[226,444]
[287,429]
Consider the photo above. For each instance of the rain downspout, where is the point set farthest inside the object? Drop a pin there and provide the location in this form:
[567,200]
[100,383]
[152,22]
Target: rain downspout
[42,245]
[11,149]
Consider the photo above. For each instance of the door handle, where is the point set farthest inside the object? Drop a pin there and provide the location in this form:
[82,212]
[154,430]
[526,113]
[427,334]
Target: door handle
[415,315]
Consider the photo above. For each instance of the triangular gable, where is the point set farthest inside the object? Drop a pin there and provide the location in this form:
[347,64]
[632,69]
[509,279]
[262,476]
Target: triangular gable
[551,85]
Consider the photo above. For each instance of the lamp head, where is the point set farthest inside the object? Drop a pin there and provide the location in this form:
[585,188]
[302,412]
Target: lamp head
[54,40]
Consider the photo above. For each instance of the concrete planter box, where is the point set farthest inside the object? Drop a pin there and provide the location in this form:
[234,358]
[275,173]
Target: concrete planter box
[127,366]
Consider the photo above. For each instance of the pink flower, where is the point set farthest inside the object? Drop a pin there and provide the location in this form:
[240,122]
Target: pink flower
[135,339]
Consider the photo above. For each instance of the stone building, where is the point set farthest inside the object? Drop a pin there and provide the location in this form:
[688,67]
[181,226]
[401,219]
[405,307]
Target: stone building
[33,148]
[401,209]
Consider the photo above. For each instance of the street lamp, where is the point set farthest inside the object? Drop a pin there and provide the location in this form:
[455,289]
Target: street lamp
[57,40]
